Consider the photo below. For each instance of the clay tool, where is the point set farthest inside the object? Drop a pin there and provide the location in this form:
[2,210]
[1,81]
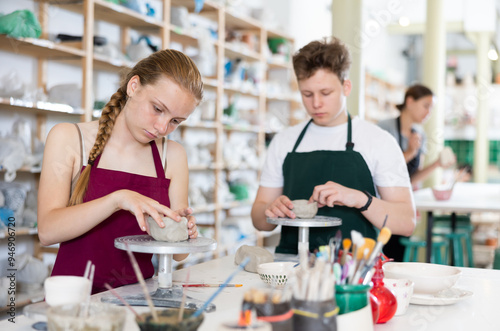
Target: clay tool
[140,278]
[123,301]
[202,308]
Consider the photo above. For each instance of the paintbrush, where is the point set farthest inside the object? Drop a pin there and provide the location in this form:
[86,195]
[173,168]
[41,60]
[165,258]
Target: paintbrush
[202,308]
[383,238]
[346,244]
[138,274]
[123,301]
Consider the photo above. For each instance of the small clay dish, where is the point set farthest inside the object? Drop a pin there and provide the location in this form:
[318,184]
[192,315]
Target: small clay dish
[304,209]
[168,321]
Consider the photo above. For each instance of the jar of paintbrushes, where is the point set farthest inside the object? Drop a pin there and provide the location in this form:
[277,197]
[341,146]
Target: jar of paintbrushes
[271,306]
[313,302]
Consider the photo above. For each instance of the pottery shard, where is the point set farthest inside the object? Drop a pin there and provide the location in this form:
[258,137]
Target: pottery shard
[257,256]
[304,209]
[172,232]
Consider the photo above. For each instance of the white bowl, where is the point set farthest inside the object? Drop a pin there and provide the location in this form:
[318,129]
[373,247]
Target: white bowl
[428,278]
[61,290]
[275,273]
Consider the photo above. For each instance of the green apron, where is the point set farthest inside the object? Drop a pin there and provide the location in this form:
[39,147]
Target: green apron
[303,171]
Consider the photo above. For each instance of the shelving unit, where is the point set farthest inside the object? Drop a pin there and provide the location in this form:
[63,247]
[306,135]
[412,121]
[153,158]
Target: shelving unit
[381,98]
[82,55]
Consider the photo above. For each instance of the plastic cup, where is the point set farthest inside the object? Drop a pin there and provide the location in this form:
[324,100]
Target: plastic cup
[65,290]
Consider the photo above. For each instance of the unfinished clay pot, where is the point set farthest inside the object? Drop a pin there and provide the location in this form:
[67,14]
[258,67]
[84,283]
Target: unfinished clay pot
[304,209]
[172,232]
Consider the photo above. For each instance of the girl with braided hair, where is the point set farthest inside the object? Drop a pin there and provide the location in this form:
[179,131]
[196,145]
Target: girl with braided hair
[100,180]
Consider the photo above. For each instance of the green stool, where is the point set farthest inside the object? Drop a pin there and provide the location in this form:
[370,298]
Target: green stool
[413,244]
[461,239]
[496,260]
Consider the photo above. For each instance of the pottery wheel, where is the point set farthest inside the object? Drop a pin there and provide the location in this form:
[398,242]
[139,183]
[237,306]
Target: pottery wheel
[166,295]
[304,224]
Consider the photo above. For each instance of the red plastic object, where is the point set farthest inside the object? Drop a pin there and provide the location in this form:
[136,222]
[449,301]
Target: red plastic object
[386,299]
[375,307]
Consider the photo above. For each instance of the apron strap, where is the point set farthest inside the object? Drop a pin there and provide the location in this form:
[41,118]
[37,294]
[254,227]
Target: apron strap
[299,139]
[398,123]
[349,144]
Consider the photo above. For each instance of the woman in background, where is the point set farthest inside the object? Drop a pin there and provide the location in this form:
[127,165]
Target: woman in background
[411,138]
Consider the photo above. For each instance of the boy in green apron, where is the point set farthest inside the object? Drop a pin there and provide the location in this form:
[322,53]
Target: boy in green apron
[353,169]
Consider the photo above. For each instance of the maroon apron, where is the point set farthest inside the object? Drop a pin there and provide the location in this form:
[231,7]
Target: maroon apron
[112,265]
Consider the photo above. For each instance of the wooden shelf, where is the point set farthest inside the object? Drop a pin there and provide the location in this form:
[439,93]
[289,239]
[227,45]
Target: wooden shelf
[200,125]
[232,90]
[208,6]
[102,62]
[287,98]
[21,231]
[276,64]
[204,208]
[277,34]
[213,166]
[236,52]
[39,107]
[242,128]
[115,14]
[235,21]
[236,204]
[39,48]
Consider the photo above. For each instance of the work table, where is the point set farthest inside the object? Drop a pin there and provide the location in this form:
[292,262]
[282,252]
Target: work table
[478,312]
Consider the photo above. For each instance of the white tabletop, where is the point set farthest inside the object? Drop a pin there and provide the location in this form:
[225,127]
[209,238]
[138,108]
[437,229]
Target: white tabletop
[478,312]
[466,198]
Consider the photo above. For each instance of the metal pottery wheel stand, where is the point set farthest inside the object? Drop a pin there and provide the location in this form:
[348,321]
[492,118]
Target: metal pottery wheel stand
[165,295]
[304,224]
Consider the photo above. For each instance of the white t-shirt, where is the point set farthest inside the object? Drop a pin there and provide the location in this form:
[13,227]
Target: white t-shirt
[379,149]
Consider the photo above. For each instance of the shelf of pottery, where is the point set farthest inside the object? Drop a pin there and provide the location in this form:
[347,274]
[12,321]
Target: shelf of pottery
[248,89]
[381,98]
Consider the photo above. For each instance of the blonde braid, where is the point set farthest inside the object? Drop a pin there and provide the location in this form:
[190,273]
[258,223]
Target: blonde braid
[106,124]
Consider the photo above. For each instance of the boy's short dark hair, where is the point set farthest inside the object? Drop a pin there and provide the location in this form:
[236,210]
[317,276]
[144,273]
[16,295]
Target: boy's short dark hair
[330,54]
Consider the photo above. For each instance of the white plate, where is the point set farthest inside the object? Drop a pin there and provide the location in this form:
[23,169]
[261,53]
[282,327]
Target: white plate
[445,297]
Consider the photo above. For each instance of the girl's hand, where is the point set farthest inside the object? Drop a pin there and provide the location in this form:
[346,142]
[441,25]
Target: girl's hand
[192,228]
[281,207]
[142,206]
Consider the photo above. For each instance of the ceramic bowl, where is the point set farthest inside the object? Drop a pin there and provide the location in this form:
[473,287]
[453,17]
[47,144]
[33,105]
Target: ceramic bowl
[61,290]
[168,321]
[428,278]
[303,209]
[442,193]
[101,317]
[275,273]
[402,290]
